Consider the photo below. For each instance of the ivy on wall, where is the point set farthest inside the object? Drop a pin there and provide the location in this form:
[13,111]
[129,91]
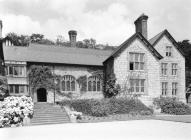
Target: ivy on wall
[40,77]
[82,81]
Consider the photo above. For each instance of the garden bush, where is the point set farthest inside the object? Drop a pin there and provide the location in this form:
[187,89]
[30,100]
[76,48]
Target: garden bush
[172,106]
[106,107]
[14,109]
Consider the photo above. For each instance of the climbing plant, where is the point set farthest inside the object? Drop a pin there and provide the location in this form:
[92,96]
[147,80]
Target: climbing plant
[82,81]
[41,76]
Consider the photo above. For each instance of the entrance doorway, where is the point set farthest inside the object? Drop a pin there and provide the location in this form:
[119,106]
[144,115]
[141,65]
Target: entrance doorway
[41,95]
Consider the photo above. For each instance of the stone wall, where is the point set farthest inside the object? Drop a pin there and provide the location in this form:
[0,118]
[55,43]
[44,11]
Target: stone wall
[150,72]
[176,57]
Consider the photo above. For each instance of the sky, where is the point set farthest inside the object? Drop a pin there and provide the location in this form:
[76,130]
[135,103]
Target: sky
[108,21]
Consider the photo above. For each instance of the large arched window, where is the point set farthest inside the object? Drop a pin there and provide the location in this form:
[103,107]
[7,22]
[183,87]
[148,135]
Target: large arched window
[94,83]
[68,83]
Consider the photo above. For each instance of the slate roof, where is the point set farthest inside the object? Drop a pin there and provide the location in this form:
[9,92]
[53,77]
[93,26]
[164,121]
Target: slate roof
[129,40]
[157,37]
[56,54]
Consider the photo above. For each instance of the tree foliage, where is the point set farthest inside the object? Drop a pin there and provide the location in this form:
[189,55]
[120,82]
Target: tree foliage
[19,40]
[3,88]
[185,47]
[112,89]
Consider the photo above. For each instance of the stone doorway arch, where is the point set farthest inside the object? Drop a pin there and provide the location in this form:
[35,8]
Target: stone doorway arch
[41,95]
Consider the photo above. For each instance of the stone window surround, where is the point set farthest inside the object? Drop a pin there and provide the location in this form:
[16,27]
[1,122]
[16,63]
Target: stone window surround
[86,86]
[68,79]
[164,69]
[21,69]
[164,87]
[168,51]
[140,62]
[97,81]
[174,68]
[140,86]
[22,90]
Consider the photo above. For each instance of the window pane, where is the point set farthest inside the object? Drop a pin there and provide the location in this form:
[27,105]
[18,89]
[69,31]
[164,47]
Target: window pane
[11,90]
[68,85]
[16,88]
[94,85]
[89,86]
[16,70]
[98,86]
[141,58]
[136,66]
[10,70]
[141,66]
[22,88]
[131,57]
[142,89]
[21,71]
[142,83]
[131,65]
[63,86]
[136,57]
[73,85]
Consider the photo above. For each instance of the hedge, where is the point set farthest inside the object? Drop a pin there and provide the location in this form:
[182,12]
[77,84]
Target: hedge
[105,107]
[172,106]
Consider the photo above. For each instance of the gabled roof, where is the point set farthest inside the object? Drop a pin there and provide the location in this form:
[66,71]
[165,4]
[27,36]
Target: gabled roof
[55,54]
[129,40]
[153,41]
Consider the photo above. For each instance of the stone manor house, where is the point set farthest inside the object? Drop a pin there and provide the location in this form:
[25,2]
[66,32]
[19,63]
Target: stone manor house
[147,67]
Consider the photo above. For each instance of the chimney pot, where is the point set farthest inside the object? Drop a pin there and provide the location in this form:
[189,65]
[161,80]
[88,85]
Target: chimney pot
[72,37]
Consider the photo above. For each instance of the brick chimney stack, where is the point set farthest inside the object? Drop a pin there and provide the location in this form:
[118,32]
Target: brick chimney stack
[72,36]
[141,25]
[1,26]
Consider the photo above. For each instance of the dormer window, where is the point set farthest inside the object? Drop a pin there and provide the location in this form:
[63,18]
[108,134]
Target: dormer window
[168,51]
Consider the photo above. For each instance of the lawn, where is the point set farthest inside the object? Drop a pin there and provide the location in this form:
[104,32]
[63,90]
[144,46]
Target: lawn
[122,130]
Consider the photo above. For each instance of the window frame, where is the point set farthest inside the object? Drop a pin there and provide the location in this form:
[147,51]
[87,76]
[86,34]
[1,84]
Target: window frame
[19,91]
[169,51]
[137,84]
[136,62]
[164,69]
[94,80]
[174,67]
[174,88]
[164,88]
[68,80]
[21,70]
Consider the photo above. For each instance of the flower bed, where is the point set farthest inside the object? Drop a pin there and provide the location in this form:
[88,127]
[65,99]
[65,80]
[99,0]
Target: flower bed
[14,109]
[172,106]
[105,107]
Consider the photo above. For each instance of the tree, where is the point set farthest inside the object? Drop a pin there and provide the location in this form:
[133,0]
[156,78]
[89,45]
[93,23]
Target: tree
[18,40]
[112,89]
[185,46]
[36,37]
[3,88]
[60,40]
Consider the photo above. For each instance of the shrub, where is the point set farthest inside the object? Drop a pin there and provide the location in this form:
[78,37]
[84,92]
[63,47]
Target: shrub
[111,89]
[127,105]
[88,106]
[14,109]
[109,106]
[172,106]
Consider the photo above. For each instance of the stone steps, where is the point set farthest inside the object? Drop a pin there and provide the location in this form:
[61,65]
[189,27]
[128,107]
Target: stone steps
[45,113]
